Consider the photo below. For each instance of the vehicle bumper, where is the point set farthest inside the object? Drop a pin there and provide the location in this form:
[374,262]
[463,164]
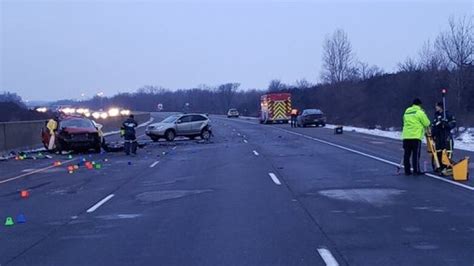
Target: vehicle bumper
[314,121]
[155,133]
[81,144]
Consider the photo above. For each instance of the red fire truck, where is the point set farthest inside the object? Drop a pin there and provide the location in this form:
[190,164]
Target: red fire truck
[275,108]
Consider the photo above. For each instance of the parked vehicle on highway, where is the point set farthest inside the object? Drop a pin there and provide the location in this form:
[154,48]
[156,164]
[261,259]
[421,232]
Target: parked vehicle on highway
[74,133]
[188,125]
[275,108]
[233,113]
[311,117]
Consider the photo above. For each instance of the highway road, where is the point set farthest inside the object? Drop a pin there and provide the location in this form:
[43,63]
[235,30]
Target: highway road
[255,195]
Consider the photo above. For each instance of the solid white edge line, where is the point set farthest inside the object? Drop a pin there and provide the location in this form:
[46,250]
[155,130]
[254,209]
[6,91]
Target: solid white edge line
[327,257]
[154,164]
[245,141]
[376,158]
[256,153]
[34,172]
[449,181]
[100,203]
[274,178]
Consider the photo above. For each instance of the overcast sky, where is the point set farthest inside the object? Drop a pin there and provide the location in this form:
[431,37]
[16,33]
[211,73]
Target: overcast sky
[59,49]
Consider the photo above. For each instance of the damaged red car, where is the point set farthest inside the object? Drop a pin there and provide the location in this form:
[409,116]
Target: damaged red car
[74,133]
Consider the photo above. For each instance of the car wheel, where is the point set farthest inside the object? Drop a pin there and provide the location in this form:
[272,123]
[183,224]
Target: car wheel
[205,134]
[323,125]
[169,135]
[303,125]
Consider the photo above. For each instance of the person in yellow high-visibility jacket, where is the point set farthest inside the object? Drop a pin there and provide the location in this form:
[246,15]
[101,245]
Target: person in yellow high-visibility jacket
[415,122]
[52,126]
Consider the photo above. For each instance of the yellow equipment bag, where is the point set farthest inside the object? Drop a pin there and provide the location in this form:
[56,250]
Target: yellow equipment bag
[459,170]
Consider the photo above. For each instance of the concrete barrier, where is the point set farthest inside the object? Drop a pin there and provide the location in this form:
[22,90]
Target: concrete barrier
[24,135]
[27,134]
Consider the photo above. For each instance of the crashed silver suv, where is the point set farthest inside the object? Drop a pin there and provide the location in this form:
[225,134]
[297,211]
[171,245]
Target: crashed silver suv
[188,125]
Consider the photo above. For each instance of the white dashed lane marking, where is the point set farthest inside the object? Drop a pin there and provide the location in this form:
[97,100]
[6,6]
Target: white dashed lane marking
[327,257]
[100,203]
[274,178]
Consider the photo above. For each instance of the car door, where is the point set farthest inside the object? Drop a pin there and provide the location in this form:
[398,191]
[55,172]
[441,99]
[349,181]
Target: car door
[184,125]
[198,121]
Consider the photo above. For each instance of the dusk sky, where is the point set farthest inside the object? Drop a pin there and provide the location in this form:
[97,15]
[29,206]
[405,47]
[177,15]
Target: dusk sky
[60,49]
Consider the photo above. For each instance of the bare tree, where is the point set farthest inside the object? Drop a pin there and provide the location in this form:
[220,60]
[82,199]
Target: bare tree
[303,84]
[226,93]
[276,85]
[409,65]
[431,59]
[337,58]
[149,89]
[366,72]
[457,44]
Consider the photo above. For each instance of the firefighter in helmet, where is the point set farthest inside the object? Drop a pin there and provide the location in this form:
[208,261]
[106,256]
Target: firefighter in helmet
[442,125]
[128,132]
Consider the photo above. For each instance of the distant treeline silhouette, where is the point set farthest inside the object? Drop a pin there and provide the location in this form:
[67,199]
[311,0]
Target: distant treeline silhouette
[379,100]
[13,109]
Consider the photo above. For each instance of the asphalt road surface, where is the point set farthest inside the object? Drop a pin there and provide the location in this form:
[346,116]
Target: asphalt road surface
[255,195]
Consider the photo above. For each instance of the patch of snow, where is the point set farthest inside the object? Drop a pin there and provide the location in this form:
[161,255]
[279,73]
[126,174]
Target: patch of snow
[374,132]
[464,142]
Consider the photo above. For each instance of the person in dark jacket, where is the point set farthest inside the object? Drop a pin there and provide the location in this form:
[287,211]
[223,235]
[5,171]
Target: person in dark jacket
[442,125]
[294,116]
[128,131]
